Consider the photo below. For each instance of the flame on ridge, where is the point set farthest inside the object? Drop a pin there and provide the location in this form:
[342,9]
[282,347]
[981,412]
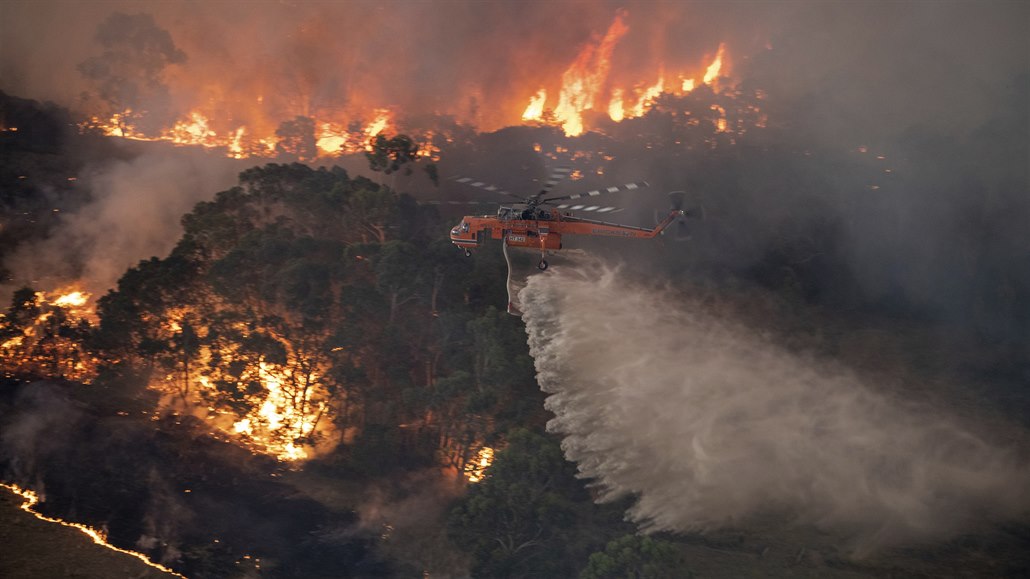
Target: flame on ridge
[585,82]
[31,499]
[536,106]
[713,70]
[247,125]
[332,137]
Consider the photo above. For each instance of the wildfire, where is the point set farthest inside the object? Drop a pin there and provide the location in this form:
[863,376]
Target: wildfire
[535,110]
[475,470]
[586,79]
[714,69]
[256,125]
[42,335]
[331,138]
[280,411]
[31,498]
[278,408]
[647,96]
[198,129]
[379,124]
[73,298]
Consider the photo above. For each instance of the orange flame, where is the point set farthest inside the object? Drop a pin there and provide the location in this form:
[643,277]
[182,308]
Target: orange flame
[332,138]
[475,470]
[74,298]
[242,141]
[41,347]
[31,498]
[283,414]
[535,110]
[615,109]
[713,70]
[647,96]
[583,80]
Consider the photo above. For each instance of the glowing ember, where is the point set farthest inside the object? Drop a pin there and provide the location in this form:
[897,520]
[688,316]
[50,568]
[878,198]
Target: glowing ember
[720,121]
[98,537]
[475,470]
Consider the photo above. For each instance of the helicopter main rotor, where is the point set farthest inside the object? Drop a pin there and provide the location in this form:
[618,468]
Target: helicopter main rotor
[533,202]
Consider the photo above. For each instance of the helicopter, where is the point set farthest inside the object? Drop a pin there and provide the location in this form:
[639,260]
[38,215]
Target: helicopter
[539,222]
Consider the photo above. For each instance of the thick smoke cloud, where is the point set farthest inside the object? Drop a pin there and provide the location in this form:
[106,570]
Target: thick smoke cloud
[871,71]
[44,427]
[134,214]
[854,69]
[713,426]
[128,74]
[930,84]
[482,61]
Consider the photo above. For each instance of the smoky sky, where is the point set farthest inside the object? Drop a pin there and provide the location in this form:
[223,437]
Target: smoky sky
[921,82]
[134,213]
[871,65]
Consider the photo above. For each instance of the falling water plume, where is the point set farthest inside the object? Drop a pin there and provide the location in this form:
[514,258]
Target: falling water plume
[711,426]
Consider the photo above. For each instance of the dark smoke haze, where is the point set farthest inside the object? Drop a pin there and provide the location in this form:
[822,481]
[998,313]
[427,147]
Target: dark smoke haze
[711,426]
[134,214]
[891,64]
[899,77]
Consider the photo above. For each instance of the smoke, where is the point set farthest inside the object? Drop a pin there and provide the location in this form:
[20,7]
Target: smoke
[406,517]
[128,74]
[478,61]
[46,418]
[134,214]
[873,70]
[710,426]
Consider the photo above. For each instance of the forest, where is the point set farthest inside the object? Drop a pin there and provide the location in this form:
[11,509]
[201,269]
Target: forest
[315,383]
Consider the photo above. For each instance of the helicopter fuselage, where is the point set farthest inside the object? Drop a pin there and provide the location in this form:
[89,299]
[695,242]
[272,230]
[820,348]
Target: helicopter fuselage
[542,230]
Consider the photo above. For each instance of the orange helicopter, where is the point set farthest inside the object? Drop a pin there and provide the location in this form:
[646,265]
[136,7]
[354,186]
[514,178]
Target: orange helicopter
[540,222]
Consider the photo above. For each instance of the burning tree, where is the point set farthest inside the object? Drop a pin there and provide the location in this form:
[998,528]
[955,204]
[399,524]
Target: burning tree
[47,335]
[297,311]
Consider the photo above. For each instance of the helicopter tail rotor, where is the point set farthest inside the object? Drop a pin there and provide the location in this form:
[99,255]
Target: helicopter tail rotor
[689,206]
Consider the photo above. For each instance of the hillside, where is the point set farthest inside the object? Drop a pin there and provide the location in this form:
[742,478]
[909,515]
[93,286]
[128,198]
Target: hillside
[34,548]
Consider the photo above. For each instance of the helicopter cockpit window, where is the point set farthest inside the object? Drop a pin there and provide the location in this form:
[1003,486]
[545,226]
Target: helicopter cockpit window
[464,227]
